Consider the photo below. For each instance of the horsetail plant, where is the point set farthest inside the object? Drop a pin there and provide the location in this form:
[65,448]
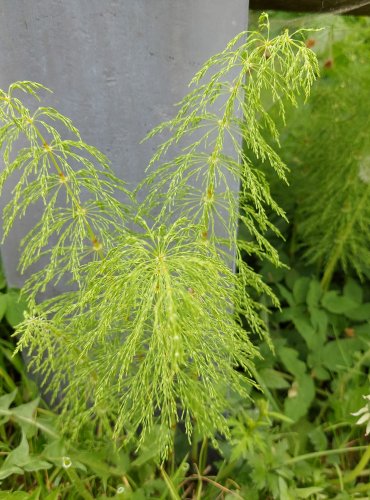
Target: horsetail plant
[335,230]
[150,330]
[328,149]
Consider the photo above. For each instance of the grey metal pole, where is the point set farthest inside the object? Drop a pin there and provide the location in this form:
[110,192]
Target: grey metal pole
[116,68]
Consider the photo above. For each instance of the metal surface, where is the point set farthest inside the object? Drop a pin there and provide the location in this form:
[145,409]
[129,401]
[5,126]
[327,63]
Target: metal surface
[349,7]
[116,68]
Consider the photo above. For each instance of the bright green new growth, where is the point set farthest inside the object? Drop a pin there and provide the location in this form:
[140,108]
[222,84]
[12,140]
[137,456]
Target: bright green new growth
[153,332]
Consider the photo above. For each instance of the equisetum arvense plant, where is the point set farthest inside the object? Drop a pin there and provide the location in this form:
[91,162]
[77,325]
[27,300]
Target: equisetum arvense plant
[152,324]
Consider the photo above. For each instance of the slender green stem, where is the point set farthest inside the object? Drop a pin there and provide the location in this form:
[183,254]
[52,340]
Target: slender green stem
[73,476]
[211,481]
[53,475]
[340,477]
[319,454]
[171,487]
[209,195]
[203,455]
[351,476]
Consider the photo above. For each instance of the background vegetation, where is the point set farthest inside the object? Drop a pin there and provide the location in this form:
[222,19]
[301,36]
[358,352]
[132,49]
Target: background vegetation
[295,438]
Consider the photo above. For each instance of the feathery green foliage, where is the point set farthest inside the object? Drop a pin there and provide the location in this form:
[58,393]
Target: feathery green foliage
[221,127]
[151,331]
[327,145]
[336,226]
[59,173]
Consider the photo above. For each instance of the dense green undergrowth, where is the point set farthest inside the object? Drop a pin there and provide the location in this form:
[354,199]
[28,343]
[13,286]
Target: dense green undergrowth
[297,439]
[292,435]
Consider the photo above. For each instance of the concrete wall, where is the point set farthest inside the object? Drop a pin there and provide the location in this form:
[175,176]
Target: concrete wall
[116,68]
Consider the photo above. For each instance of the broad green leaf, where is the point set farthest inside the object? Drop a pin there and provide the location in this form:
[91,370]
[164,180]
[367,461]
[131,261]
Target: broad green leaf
[316,363]
[3,304]
[283,489]
[338,304]
[320,373]
[289,357]
[363,332]
[307,492]
[273,379]
[338,354]
[353,291]
[286,294]
[7,400]
[20,455]
[15,307]
[304,327]
[9,470]
[314,294]
[14,462]
[300,289]
[19,460]
[289,313]
[54,451]
[299,397]
[96,462]
[35,464]
[318,438]
[319,320]
[150,448]
[25,415]
[361,313]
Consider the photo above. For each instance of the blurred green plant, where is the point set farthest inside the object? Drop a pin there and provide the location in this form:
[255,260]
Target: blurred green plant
[327,148]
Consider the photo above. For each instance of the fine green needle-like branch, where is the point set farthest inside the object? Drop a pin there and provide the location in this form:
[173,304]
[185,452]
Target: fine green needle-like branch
[72,181]
[223,125]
